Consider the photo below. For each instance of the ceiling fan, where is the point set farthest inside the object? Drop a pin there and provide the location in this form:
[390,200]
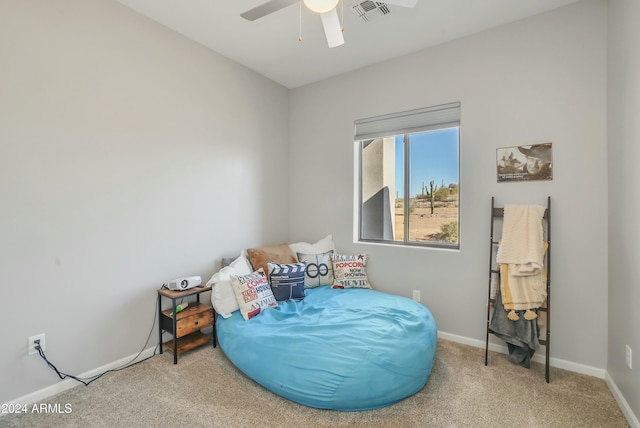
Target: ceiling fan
[327,11]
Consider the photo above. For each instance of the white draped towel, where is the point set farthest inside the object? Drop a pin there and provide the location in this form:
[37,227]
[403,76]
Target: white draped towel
[521,259]
[521,245]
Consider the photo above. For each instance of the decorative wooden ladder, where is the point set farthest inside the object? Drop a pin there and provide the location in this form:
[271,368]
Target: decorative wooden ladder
[497,214]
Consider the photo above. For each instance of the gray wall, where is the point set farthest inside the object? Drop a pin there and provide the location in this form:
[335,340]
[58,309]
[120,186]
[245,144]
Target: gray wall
[540,79]
[129,156]
[624,182]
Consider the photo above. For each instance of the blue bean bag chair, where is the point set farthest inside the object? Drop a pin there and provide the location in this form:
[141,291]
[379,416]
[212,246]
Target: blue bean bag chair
[342,349]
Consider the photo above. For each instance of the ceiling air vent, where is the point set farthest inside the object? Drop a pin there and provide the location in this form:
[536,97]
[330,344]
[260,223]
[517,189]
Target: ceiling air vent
[368,10]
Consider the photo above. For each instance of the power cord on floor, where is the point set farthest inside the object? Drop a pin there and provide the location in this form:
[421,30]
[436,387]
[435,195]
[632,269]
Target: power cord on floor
[88,380]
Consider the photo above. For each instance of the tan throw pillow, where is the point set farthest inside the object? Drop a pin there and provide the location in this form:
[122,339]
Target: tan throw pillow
[259,257]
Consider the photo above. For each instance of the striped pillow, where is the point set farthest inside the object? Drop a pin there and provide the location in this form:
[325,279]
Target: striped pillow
[287,280]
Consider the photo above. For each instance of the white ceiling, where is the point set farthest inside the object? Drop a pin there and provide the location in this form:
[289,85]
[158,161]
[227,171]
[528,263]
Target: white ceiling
[270,45]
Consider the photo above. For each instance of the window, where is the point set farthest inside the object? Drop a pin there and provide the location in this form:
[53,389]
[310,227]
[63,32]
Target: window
[409,177]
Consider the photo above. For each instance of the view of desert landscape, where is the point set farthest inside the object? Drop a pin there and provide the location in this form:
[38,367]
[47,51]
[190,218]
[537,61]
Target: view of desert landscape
[425,226]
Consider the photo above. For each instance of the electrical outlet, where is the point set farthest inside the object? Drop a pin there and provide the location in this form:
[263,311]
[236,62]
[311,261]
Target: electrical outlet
[416,295]
[33,340]
[627,356]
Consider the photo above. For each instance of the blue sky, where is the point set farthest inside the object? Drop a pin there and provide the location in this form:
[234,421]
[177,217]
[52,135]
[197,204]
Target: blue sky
[434,156]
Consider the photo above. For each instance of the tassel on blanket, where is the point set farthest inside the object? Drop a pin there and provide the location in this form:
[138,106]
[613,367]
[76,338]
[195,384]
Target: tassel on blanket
[528,315]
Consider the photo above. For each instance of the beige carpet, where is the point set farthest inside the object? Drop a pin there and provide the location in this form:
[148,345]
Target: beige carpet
[205,390]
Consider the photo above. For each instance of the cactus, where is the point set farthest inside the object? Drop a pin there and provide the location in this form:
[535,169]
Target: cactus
[433,195]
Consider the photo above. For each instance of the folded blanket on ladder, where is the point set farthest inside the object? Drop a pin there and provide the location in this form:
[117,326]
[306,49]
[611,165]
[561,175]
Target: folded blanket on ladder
[522,239]
[523,292]
[521,259]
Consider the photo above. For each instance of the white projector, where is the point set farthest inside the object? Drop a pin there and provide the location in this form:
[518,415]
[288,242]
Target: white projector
[184,283]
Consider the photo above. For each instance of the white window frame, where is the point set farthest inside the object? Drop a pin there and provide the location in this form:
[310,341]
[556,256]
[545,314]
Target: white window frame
[404,123]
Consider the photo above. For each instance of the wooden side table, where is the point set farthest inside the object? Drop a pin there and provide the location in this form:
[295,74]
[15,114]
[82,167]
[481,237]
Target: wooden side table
[185,326]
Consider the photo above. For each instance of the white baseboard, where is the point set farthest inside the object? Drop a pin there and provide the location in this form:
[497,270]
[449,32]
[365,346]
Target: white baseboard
[66,384]
[538,356]
[561,364]
[624,406]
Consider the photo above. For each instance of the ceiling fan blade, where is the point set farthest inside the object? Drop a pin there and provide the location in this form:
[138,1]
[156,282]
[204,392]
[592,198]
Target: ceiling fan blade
[332,28]
[403,3]
[266,8]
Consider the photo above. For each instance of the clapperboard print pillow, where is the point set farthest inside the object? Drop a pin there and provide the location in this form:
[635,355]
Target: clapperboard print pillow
[287,280]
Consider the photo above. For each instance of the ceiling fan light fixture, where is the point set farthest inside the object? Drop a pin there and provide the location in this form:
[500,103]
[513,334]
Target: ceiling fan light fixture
[321,6]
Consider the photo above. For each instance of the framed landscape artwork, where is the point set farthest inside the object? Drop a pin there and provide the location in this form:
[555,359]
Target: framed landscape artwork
[524,163]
